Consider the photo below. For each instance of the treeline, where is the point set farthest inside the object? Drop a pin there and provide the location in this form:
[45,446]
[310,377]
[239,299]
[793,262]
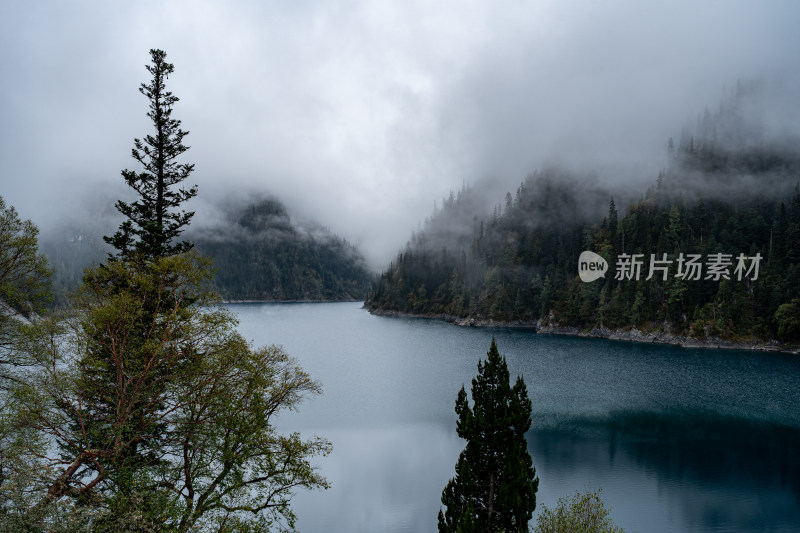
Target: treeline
[69,250]
[263,255]
[733,197]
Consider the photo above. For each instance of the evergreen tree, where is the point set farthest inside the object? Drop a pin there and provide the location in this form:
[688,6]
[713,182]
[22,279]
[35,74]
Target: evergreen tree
[495,484]
[152,224]
[612,222]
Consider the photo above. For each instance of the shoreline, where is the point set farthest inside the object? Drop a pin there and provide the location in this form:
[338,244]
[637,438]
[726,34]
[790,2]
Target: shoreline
[299,301]
[632,334]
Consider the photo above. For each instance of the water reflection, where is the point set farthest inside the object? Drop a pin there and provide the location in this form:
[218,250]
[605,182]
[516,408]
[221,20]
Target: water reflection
[658,471]
[383,480]
[714,474]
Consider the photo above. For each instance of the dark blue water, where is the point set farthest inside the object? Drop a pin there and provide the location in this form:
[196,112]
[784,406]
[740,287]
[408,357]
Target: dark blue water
[677,439]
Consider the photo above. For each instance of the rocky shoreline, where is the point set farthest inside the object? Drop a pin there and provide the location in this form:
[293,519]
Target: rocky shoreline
[300,301]
[621,334]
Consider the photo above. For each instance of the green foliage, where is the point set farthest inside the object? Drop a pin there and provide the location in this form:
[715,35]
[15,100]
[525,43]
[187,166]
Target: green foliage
[161,412]
[521,265]
[24,272]
[788,318]
[21,470]
[140,407]
[509,267]
[151,223]
[495,484]
[24,291]
[581,513]
[725,190]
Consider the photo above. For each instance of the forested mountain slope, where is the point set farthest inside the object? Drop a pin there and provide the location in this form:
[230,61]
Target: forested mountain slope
[259,253]
[730,189]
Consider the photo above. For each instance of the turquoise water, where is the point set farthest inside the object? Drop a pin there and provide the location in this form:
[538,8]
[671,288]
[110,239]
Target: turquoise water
[677,439]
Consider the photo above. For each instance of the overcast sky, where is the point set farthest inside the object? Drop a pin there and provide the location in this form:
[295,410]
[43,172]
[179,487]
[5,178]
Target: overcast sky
[361,113]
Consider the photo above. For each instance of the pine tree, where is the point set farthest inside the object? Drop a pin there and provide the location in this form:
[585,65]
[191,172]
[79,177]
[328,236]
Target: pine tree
[152,224]
[495,484]
[612,224]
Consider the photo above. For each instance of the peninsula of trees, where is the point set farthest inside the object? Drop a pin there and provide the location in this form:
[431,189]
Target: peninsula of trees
[727,190]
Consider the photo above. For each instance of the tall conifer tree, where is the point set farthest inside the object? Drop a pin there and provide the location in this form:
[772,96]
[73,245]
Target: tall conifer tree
[152,221]
[495,484]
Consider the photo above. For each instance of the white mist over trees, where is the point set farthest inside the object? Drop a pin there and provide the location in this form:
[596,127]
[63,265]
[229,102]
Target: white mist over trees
[358,117]
[730,188]
[260,250]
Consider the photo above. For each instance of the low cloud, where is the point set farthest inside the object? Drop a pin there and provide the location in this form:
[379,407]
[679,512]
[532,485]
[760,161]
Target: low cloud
[359,114]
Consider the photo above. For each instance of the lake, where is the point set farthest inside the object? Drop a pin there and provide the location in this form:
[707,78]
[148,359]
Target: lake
[677,439]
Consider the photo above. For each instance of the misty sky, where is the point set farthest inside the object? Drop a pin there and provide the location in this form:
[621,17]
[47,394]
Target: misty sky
[360,113]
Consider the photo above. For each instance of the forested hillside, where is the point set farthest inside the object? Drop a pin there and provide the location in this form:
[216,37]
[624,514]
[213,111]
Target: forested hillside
[730,189]
[259,254]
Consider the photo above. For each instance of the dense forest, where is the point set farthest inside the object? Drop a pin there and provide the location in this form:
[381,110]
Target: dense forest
[729,188]
[262,255]
[259,253]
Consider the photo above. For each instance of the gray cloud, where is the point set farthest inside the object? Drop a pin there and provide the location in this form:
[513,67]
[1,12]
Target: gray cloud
[358,113]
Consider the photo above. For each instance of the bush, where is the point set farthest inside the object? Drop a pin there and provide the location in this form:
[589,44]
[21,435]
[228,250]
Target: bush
[581,513]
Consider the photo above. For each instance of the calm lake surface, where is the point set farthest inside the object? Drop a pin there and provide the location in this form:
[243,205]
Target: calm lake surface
[677,439]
